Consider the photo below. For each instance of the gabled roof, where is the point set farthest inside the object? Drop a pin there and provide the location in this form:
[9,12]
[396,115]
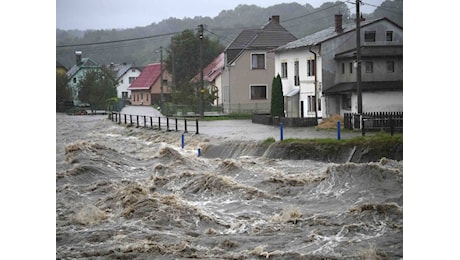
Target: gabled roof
[327,34]
[212,71]
[270,36]
[147,78]
[85,63]
[118,70]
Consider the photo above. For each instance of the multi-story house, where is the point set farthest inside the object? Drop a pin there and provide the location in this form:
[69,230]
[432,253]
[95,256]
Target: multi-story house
[124,74]
[151,86]
[250,67]
[319,71]
[78,73]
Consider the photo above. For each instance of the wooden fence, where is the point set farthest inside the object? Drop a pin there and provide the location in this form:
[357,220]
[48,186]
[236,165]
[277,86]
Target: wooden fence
[160,123]
[374,121]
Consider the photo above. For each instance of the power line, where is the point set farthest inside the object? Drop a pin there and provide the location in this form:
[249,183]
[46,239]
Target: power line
[116,41]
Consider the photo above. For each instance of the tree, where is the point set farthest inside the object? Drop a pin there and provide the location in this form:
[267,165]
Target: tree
[96,88]
[63,92]
[277,102]
[183,61]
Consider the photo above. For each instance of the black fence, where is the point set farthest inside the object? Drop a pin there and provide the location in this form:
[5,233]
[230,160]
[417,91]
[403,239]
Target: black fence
[267,119]
[159,123]
[374,121]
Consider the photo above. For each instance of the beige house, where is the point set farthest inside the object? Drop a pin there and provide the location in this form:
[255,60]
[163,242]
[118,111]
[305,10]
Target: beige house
[250,68]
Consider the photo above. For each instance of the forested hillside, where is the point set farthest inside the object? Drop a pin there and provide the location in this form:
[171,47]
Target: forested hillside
[139,45]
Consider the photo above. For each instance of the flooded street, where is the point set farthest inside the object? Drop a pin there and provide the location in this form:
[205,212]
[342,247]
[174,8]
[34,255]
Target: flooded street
[134,193]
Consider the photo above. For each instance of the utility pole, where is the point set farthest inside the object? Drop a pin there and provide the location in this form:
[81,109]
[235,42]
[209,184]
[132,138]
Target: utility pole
[358,58]
[201,71]
[161,77]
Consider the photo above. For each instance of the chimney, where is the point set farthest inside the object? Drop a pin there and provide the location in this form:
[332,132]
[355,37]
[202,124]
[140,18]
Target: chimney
[275,18]
[78,57]
[338,23]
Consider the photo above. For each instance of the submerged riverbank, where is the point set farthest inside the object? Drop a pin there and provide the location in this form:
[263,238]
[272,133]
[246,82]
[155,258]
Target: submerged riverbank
[358,150]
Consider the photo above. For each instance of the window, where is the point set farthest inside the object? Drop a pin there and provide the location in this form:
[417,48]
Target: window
[346,102]
[121,81]
[311,103]
[350,65]
[311,67]
[284,69]
[259,92]
[74,80]
[258,61]
[296,73]
[389,36]
[390,66]
[369,36]
[319,104]
[147,97]
[131,79]
[133,70]
[369,67]
[343,67]
[124,95]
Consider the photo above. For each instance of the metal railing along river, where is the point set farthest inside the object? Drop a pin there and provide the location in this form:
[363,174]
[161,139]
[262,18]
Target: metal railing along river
[159,123]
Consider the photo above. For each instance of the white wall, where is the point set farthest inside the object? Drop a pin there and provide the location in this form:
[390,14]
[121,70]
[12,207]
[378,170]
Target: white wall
[123,87]
[307,83]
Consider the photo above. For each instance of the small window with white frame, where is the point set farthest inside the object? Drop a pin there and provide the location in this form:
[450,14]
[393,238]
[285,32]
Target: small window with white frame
[284,69]
[389,36]
[257,61]
[258,92]
[369,36]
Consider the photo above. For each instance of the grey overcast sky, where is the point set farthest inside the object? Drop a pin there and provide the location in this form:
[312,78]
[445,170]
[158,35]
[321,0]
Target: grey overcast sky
[122,14]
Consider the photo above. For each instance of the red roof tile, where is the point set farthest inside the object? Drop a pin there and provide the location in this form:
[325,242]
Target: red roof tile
[212,70]
[147,78]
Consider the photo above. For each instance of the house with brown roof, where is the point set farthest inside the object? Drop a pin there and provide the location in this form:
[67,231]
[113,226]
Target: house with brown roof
[212,77]
[151,86]
[318,71]
[250,67]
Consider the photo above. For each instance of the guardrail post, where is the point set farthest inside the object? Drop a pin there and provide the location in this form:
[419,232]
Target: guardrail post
[182,141]
[151,122]
[281,131]
[185,123]
[338,130]
[176,124]
[363,131]
[137,120]
[167,124]
[145,121]
[197,132]
[125,118]
[131,119]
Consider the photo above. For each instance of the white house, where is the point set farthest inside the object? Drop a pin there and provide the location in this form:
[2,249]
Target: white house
[124,74]
[319,71]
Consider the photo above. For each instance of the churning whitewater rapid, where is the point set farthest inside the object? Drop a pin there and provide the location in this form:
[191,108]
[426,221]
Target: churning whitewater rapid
[134,193]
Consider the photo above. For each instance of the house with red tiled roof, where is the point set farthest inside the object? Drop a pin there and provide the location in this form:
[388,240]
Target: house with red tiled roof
[212,77]
[150,86]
